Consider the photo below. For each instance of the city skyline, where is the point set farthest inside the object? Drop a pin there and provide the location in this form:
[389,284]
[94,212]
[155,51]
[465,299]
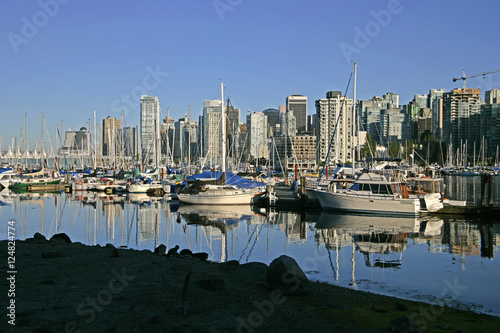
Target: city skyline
[67,58]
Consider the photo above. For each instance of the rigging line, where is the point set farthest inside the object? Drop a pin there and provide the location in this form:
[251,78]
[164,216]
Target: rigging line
[243,252]
[328,250]
[335,128]
[255,241]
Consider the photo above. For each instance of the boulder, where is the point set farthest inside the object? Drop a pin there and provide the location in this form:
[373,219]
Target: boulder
[160,250]
[286,275]
[62,236]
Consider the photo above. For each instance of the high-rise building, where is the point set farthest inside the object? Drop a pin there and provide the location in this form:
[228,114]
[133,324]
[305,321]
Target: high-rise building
[211,129]
[110,127]
[150,129]
[76,143]
[232,131]
[128,141]
[297,104]
[370,114]
[492,96]
[391,122]
[436,106]
[461,111]
[332,110]
[273,119]
[257,135]
[490,123]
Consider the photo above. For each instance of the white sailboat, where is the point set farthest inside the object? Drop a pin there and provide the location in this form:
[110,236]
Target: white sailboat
[219,194]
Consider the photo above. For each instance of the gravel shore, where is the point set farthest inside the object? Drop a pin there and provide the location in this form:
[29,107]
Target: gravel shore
[61,286]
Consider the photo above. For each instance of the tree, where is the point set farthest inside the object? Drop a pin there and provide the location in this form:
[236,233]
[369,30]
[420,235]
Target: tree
[369,148]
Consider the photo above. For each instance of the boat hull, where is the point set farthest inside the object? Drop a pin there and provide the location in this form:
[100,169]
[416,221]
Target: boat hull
[217,198]
[366,204]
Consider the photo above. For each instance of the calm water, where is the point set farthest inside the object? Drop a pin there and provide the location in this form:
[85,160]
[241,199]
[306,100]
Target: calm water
[452,261]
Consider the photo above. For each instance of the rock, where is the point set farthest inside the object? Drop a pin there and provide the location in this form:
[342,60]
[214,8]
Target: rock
[201,255]
[404,324]
[52,254]
[185,251]
[212,283]
[160,250]
[173,251]
[39,236]
[115,254]
[61,236]
[401,306]
[285,274]
[110,246]
[229,264]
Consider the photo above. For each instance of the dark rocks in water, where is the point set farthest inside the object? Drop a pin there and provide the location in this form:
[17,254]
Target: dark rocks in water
[110,246]
[212,283]
[203,256]
[404,324]
[39,236]
[61,236]
[160,250]
[286,275]
[173,251]
[185,251]
[115,254]
[52,254]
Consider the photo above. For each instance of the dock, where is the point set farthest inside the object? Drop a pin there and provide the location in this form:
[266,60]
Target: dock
[283,197]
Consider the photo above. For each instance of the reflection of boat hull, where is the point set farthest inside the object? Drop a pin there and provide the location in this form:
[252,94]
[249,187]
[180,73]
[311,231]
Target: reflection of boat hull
[219,197]
[352,221]
[368,204]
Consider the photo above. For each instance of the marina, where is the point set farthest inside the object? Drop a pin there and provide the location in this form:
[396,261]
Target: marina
[408,257]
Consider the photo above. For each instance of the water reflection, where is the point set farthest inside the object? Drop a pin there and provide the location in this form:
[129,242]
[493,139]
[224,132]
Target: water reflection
[406,257]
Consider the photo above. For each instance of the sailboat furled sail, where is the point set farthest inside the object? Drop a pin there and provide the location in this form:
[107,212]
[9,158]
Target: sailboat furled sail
[220,191]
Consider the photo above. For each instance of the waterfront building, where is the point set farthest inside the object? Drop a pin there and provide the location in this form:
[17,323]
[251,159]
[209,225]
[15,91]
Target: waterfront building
[297,105]
[273,120]
[150,129]
[331,110]
[76,143]
[370,114]
[110,127]
[490,123]
[391,125]
[185,140]
[461,109]
[128,141]
[311,123]
[233,115]
[435,103]
[211,129]
[257,135]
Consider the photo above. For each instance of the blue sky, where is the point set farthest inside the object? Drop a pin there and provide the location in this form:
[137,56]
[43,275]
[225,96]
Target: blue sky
[66,58]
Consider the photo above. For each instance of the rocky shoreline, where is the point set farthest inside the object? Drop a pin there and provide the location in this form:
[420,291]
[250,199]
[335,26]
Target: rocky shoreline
[60,286]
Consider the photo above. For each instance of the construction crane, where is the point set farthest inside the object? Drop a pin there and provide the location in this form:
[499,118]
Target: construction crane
[466,77]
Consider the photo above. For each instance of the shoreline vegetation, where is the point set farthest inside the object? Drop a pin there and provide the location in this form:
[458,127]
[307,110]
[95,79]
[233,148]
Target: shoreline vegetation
[61,286]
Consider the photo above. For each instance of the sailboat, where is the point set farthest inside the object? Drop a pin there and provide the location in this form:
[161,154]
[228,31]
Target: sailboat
[219,191]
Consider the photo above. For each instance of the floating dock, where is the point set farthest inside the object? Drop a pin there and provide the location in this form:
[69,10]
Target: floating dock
[48,187]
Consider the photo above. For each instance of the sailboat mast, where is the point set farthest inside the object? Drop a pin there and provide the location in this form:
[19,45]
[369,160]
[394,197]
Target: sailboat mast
[223,130]
[354,122]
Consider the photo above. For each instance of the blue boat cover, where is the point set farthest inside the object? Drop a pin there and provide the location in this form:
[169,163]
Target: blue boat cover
[231,179]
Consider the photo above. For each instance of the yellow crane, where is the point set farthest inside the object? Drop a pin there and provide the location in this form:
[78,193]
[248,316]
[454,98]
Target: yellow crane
[474,75]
